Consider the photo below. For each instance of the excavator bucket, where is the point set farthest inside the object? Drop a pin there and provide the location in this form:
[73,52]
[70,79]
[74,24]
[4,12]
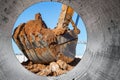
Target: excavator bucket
[43,45]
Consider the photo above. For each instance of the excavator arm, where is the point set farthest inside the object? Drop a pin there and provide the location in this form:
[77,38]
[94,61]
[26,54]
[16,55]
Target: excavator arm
[64,20]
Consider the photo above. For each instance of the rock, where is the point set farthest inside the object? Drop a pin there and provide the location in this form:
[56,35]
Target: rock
[54,66]
[53,69]
[63,65]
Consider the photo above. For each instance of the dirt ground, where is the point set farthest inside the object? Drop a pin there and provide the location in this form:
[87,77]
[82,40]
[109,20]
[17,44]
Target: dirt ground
[52,69]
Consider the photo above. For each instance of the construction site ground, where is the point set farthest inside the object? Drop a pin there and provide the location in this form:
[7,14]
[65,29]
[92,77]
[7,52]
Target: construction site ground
[52,69]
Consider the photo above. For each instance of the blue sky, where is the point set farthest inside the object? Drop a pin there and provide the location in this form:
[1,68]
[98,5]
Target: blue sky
[50,12]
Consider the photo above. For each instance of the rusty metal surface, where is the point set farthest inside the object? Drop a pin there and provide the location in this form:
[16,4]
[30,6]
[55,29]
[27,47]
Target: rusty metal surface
[40,52]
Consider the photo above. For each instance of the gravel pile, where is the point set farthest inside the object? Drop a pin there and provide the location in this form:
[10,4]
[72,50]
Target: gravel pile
[52,69]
